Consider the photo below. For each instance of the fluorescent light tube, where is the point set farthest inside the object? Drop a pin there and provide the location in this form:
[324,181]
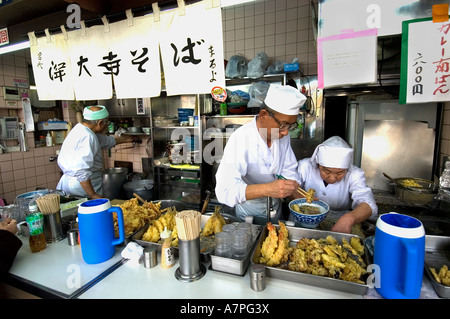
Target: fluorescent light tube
[14,47]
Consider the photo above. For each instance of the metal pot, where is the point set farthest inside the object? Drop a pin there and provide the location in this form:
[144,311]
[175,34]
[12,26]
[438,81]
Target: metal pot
[113,180]
[422,195]
[143,187]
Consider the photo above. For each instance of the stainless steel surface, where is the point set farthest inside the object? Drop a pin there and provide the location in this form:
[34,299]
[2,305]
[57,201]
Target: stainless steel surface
[437,254]
[392,138]
[235,266]
[258,278]
[189,259]
[52,228]
[295,234]
[125,107]
[72,237]
[113,180]
[206,243]
[150,260]
[143,188]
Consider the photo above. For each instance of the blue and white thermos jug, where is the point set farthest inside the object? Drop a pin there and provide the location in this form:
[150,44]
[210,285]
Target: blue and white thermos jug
[399,253]
[96,227]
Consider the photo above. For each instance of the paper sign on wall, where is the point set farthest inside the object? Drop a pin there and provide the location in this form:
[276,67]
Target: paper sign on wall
[192,52]
[425,65]
[348,58]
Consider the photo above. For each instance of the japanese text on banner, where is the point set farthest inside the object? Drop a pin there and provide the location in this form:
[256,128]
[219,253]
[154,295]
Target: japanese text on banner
[425,74]
[192,52]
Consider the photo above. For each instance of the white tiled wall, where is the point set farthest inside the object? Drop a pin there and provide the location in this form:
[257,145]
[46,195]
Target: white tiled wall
[280,28]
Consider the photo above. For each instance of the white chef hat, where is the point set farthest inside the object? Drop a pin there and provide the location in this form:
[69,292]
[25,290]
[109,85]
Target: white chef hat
[333,153]
[284,99]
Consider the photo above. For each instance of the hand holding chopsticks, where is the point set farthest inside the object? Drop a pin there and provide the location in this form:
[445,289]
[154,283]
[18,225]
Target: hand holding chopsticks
[309,195]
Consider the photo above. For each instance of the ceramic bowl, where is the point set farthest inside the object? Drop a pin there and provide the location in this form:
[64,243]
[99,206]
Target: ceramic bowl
[309,221]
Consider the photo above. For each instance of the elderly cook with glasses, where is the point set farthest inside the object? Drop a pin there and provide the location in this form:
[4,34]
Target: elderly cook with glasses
[81,158]
[259,151]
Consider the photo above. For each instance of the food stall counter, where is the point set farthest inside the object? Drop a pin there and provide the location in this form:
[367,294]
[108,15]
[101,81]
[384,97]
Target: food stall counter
[134,281]
[58,271]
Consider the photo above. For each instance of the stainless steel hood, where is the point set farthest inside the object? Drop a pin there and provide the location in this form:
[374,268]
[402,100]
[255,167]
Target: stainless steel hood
[127,107]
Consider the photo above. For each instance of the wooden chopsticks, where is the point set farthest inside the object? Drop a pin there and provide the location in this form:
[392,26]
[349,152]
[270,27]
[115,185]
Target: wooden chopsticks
[300,190]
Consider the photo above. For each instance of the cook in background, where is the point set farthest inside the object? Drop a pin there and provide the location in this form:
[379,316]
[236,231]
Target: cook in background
[9,245]
[81,158]
[338,182]
[257,152]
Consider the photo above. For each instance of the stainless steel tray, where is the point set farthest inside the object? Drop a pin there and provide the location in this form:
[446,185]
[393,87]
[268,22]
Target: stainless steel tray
[235,266]
[437,254]
[295,234]
[206,243]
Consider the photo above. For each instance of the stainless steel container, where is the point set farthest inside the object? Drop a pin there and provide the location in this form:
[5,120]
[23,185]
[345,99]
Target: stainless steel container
[143,188]
[113,180]
[150,257]
[258,278]
[72,237]
[52,228]
[189,258]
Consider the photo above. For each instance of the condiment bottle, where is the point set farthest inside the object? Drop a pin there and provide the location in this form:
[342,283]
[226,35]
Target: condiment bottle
[167,257]
[35,222]
[49,140]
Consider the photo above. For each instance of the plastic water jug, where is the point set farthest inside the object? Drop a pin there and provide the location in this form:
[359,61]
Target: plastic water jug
[399,252]
[96,227]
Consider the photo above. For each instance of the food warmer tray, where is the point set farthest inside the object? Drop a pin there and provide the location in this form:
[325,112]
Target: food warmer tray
[232,265]
[295,234]
[206,243]
[437,254]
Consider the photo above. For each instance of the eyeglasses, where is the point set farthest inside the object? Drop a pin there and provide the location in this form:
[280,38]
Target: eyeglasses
[283,126]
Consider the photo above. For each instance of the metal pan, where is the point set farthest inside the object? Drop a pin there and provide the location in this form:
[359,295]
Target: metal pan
[437,254]
[295,234]
[422,195]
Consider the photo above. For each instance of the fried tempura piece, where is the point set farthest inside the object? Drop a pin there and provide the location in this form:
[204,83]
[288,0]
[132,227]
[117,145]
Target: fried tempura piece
[152,234]
[443,277]
[310,195]
[281,253]
[214,223]
[157,226]
[136,216]
[270,244]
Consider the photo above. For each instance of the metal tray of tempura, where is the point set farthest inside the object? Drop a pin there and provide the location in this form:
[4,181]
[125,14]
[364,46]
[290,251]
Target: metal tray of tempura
[282,271]
[437,254]
[207,244]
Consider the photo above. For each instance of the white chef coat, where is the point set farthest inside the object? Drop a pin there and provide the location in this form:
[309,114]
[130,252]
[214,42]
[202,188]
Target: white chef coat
[81,159]
[344,195]
[248,160]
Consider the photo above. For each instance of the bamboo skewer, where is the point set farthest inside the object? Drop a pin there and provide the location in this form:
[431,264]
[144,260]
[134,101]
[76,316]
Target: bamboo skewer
[188,224]
[49,204]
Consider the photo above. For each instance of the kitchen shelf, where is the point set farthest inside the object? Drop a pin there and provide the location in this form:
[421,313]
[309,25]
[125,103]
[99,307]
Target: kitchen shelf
[176,126]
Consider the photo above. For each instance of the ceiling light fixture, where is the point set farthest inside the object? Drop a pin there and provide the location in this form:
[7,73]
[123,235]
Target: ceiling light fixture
[15,47]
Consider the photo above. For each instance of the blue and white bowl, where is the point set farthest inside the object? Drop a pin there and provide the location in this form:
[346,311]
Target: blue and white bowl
[309,221]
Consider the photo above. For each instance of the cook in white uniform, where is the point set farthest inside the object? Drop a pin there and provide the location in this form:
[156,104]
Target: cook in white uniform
[338,182]
[81,158]
[258,151]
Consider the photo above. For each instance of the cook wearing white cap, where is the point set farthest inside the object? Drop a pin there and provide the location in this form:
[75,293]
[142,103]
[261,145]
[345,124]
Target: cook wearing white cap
[81,159]
[258,151]
[338,182]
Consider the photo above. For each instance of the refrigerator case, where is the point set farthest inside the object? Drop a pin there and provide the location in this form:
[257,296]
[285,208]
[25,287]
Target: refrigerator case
[399,140]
